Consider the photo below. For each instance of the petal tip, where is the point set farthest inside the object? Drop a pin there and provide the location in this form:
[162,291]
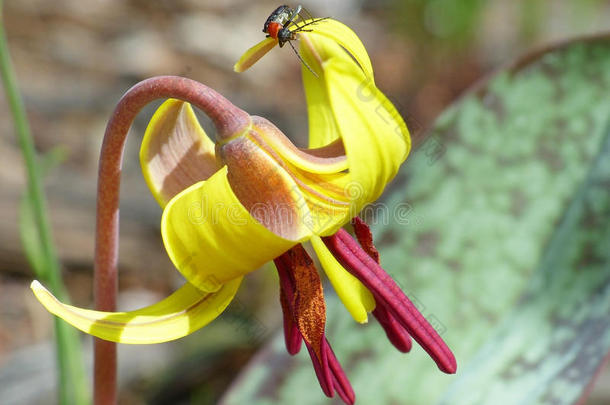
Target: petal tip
[363,321]
[252,55]
[41,293]
[45,297]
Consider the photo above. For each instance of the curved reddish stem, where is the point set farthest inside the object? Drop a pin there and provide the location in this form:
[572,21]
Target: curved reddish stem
[228,120]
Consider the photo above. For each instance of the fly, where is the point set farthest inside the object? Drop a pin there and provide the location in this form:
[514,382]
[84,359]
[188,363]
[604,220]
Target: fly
[278,26]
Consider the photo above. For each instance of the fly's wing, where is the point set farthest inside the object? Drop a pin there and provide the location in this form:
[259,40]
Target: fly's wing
[293,15]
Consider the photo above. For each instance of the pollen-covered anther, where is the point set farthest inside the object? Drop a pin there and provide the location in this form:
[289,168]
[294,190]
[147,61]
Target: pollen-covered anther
[303,305]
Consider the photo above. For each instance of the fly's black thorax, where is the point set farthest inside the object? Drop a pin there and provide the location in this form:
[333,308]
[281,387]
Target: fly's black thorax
[285,35]
[280,15]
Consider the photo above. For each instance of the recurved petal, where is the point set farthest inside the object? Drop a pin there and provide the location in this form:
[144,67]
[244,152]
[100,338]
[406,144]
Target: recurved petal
[315,51]
[175,151]
[375,137]
[211,238]
[344,36]
[324,160]
[343,102]
[264,187]
[355,296]
[252,55]
[293,192]
[185,311]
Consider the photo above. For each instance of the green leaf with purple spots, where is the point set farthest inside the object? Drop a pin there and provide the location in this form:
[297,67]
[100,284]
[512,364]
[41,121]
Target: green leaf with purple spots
[498,227]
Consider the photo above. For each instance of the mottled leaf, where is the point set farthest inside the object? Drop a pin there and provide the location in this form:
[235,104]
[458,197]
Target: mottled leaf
[498,228]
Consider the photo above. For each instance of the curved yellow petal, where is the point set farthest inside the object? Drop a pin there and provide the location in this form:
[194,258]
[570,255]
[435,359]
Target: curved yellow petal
[375,137]
[325,194]
[262,185]
[302,197]
[322,121]
[252,55]
[343,102]
[355,296]
[344,36]
[344,107]
[329,41]
[185,311]
[333,161]
[175,152]
[211,238]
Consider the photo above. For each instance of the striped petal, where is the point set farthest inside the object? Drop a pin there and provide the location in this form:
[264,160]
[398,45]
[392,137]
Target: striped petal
[343,102]
[345,108]
[323,125]
[185,311]
[324,160]
[375,137]
[347,39]
[212,238]
[175,152]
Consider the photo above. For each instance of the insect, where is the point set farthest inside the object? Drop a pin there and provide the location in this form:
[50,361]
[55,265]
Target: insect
[280,22]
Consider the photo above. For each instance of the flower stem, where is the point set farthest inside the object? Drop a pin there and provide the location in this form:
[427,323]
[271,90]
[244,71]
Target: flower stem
[72,383]
[227,119]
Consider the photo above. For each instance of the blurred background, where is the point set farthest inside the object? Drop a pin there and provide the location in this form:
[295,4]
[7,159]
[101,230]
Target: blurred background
[75,58]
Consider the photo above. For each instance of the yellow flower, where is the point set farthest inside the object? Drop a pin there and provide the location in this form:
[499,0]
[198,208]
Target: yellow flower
[252,197]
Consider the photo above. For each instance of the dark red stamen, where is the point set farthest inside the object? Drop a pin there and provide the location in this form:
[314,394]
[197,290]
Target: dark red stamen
[292,336]
[386,291]
[340,381]
[284,265]
[322,372]
[300,297]
[396,334]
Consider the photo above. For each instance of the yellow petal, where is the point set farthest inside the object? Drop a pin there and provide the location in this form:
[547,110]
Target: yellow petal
[333,160]
[355,296]
[253,54]
[263,186]
[344,106]
[322,122]
[345,103]
[211,238]
[375,137]
[303,196]
[329,206]
[175,151]
[185,311]
[344,36]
